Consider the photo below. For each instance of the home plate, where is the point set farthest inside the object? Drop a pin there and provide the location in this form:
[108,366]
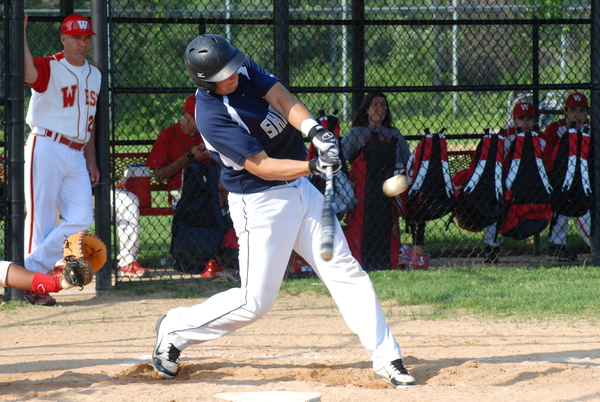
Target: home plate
[270,396]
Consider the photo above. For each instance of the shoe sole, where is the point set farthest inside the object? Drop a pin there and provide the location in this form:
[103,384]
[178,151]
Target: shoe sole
[386,378]
[155,360]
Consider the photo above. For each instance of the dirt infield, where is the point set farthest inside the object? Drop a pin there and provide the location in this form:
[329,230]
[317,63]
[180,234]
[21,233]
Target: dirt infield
[97,348]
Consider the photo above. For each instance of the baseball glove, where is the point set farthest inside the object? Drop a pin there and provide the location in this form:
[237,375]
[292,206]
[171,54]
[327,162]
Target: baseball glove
[84,254]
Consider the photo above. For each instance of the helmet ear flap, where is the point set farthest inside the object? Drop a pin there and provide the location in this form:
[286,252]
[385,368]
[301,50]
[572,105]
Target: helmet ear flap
[209,87]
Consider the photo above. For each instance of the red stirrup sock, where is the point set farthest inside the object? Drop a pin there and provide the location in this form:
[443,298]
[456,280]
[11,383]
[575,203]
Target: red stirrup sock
[42,283]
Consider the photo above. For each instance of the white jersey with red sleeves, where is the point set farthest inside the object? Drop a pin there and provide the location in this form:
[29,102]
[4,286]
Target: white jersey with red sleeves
[60,89]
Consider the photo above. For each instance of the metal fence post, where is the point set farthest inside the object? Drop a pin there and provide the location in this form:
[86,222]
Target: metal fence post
[102,190]
[595,123]
[281,35]
[15,126]
[357,50]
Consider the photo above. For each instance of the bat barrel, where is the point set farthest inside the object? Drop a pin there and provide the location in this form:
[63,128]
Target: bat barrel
[327,228]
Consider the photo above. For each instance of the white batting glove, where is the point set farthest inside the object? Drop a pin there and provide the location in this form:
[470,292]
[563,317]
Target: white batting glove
[324,140]
[321,163]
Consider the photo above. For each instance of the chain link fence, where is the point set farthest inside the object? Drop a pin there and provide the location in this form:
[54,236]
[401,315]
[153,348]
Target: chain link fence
[454,66]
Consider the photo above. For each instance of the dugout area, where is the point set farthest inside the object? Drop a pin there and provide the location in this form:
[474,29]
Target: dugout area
[441,66]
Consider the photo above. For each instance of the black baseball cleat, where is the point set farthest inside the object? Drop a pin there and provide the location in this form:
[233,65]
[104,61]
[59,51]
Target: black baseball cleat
[490,254]
[165,355]
[396,374]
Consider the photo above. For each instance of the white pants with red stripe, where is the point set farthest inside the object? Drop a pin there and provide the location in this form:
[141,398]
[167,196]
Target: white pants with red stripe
[269,225]
[55,176]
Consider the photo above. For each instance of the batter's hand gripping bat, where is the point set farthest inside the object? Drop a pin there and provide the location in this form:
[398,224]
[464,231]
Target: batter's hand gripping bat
[327,228]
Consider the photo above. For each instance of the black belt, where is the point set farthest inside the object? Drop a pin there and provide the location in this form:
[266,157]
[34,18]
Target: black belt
[284,182]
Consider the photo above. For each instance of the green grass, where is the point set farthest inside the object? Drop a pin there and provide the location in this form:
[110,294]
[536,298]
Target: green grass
[567,294]
[520,294]
[563,293]
[173,288]
[12,307]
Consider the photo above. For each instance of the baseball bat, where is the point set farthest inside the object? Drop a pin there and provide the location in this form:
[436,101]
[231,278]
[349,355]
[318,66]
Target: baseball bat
[327,229]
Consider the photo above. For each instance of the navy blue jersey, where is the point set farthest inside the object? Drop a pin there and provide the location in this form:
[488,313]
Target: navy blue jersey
[242,124]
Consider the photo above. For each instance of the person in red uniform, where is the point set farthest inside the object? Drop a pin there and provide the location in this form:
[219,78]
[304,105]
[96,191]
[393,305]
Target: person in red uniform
[175,148]
[524,120]
[576,111]
[60,155]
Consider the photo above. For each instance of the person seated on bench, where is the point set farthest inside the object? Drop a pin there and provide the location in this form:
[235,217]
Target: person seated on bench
[176,147]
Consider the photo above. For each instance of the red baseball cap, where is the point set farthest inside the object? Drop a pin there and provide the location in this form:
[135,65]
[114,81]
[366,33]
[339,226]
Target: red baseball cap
[523,109]
[576,99]
[76,24]
[190,105]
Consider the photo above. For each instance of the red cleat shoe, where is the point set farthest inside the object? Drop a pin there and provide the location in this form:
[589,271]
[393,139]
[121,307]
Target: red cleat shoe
[134,270]
[211,270]
[43,299]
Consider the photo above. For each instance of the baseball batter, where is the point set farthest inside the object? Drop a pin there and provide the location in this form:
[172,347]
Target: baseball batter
[60,161]
[250,123]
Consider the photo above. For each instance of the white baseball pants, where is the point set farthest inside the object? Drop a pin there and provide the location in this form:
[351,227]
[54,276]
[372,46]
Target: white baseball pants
[55,175]
[269,225]
[127,220]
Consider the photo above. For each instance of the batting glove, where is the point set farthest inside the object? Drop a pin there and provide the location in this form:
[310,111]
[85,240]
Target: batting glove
[321,163]
[324,140]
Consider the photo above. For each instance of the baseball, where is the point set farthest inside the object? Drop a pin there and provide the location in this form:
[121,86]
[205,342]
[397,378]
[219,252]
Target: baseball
[395,185]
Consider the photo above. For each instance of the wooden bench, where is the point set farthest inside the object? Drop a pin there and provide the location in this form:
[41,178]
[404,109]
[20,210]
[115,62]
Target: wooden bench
[119,163]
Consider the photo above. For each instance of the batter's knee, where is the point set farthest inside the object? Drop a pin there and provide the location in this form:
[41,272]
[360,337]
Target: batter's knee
[259,305]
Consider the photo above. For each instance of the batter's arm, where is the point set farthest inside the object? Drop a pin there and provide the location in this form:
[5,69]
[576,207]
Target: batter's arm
[31,73]
[268,168]
[285,103]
